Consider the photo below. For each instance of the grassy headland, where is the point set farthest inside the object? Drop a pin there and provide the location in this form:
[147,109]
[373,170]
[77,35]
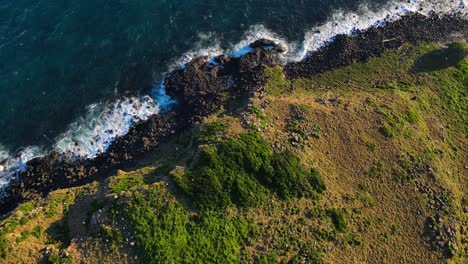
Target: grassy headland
[367,163]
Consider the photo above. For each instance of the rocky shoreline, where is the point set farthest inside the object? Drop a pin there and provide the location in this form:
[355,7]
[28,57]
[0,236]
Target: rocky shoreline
[200,88]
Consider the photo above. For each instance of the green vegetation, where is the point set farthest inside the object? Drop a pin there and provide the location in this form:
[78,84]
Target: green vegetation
[339,219]
[23,236]
[412,116]
[126,182]
[56,259]
[166,233]
[37,231]
[3,247]
[26,208]
[51,211]
[260,115]
[277,84]
[211,132]
[240,171]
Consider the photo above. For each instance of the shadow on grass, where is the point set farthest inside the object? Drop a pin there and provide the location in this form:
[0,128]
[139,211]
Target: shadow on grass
[441,59]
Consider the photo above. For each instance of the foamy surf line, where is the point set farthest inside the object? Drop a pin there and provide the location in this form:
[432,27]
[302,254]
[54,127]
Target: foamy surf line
[91,134]
[340,22]
[104,123]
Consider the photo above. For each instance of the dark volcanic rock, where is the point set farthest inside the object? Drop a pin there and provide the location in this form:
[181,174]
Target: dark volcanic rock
[199,87]
[362,45]
[266,43]
[55,171]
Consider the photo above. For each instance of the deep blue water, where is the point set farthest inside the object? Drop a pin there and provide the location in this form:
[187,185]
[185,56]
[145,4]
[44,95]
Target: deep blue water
[57,57]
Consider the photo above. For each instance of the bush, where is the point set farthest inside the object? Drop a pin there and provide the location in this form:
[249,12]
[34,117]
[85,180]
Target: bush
[3,247]
[165,232]
[339,219]
[126,183]
[211,132]
[288,178]
[37,231]
[241,171]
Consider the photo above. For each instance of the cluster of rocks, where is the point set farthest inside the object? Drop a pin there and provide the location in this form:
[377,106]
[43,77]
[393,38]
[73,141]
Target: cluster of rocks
[442,235]
[254,115]
[438,200]
[334,101]
[440,228]
[299,126]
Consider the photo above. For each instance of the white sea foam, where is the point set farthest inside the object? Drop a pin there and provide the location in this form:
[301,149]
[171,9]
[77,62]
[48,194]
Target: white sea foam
[255,33]
[10,167]
[345,22]
[93,133]
[342,22]
[208,45]
[103,123]
[4,153]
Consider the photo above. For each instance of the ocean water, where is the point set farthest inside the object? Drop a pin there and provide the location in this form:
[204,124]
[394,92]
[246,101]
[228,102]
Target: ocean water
[64,64]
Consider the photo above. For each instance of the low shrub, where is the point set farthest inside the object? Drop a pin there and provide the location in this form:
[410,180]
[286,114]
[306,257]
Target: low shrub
[339,219]
[211,132]
[126,183]
[242,171]
[165,232]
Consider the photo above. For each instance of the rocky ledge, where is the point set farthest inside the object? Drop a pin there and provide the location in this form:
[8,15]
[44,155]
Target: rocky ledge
[200,88]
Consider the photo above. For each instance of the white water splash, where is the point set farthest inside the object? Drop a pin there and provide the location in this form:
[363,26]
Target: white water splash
[255,33]
[347,22]
[93,133]
[4,153]
[102,124]
[10,167]
[340,22]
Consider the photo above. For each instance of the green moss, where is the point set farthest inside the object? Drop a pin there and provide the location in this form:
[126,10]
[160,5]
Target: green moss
[339,219]
[126,182]
[26,208]
[276,84]
[165,232]
[211,132]
[37,231]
